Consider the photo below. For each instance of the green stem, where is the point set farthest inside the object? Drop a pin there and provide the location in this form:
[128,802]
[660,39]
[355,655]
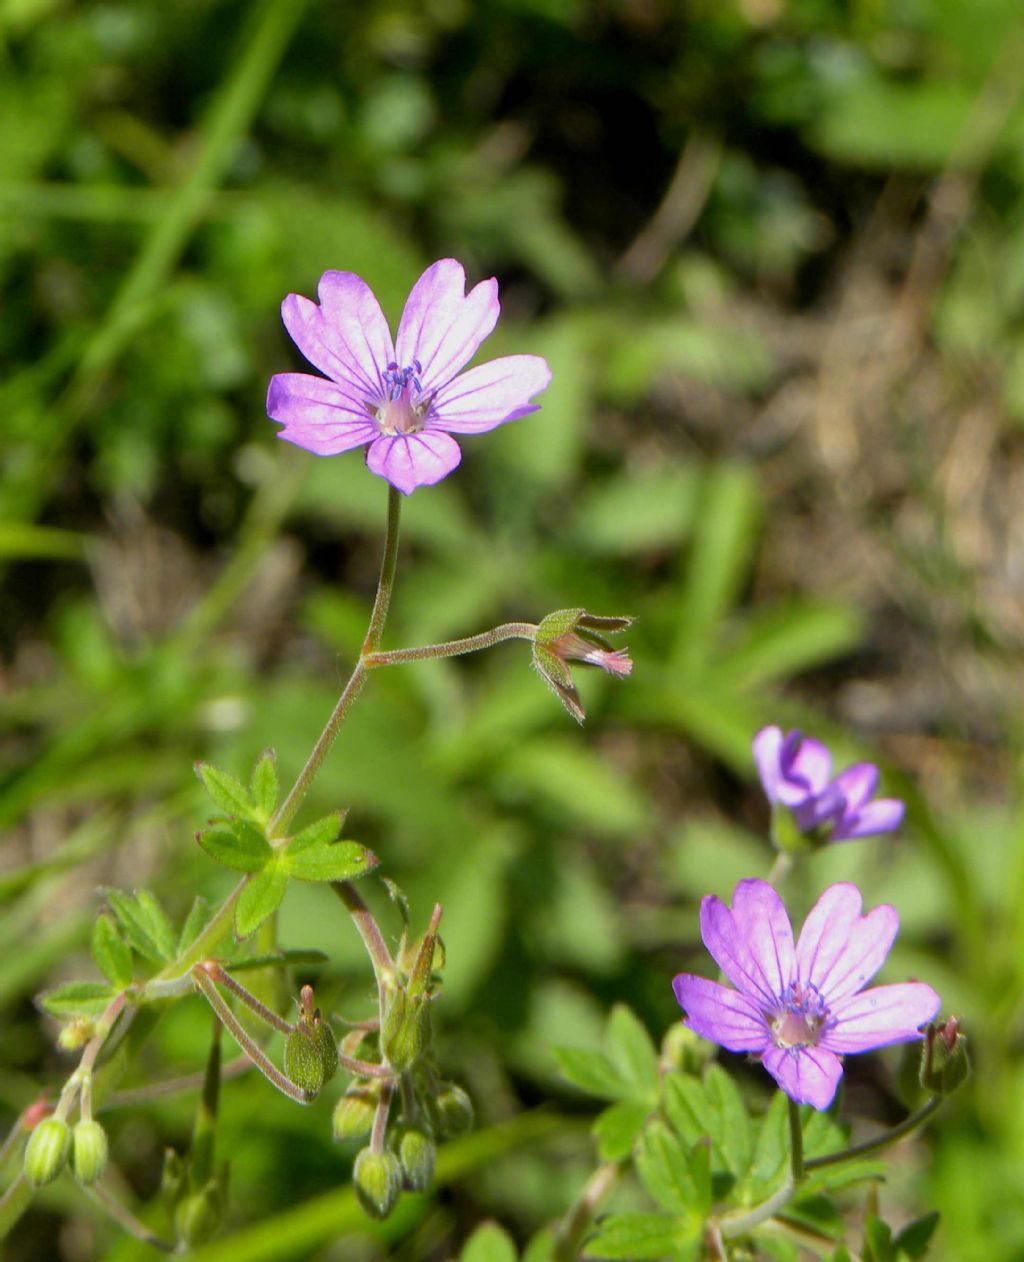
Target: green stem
[736,1225]
[386,583]
[869,1146]
[208,939]
[125,1218]
[452,648]
[796,1142]
[573,1227]
[369,931]
[380,1118]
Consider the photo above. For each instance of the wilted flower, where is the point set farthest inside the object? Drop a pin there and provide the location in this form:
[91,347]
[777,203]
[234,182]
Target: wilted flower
[800,1008]
[573,635]
[405,398]
[796,771]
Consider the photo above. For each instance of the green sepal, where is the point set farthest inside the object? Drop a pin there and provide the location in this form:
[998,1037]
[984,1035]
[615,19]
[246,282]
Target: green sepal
[260,898]
[237,844]
[47,1151]
[77,999]
[111,953]
[89,1150]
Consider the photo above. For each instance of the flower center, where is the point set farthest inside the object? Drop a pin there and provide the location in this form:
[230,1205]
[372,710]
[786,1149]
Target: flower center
[801,1019]
[403,409]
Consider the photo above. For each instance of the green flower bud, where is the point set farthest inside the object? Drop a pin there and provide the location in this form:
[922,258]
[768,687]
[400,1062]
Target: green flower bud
[172,1180]
[327,1048]
[47,1151]
[77,1032]
[377,1177]
[353,1114]
[200,1215]
[89,1150]
[686,1050]
[453,1111]
[944,1063]
[406,1032]
[303,1060]
[417,1152]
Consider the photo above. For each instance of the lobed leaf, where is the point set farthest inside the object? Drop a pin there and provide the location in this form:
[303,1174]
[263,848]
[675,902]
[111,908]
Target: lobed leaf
[111,953]
[632,1051]
[260,899]
[662,1167]
[144,923]
[236,844]
[637,1236]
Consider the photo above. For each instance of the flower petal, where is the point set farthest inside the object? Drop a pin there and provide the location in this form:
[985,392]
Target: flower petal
[884,815]
[880,1016]
[317,414]
[753,943]
[808,1075]
[811,765]
[721,1014]
[487,396]
[347,336]
[411,460]
[857,784]
[442,325]
[839,951]
[767,748]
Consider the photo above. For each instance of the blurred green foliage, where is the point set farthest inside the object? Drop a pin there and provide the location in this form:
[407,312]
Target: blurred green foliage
[684,205]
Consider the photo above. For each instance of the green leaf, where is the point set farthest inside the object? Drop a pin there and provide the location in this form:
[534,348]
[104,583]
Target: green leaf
[263,785]
[913,1240]
[638,1236]
[111,952]
[227,792]
[662,1166]
[592,1072]
[878,1246]
[771,1152]
[260,899]
[78,999]
[733,1130]
[323,831]
[236,844]
[632,1051]
[489,1243]
[144,924]
[541,1247]
[329,861]
[617,1127]
[194,922]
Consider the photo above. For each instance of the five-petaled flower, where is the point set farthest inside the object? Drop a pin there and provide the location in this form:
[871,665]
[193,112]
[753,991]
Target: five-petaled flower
[404,398]
[799,1008]
[796,772]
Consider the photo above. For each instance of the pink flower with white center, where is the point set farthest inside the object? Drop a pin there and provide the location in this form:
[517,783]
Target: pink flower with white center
[405,398]
[799,1008]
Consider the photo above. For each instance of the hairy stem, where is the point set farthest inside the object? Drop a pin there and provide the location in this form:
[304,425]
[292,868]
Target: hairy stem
[796,1142]
[223,978]
[369,931]
[248,1045]
[735,1225]
[452,648]
[869,1146]
[573,1227]
[386,582]
[123,1216]
[380,1118]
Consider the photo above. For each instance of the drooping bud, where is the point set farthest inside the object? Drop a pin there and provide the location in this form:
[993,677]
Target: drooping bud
[47,1151]
[377,1178]
[303,1061]
[89,1151]
[573,635]
[944,1063]
[452,1110]
[326,1046]
[417,1152]
[405,1034]
[353,1114]
[78,1031]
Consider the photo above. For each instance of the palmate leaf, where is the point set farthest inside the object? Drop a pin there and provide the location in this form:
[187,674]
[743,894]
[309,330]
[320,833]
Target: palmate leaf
[110,951]
[78,999]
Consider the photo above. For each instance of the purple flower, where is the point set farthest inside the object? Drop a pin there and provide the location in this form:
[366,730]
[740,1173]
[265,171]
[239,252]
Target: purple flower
[800,1008]
[795,771]
[404,398]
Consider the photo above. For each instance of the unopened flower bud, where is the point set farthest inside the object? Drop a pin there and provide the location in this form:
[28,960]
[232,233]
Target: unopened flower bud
[406,1032]
[686,1050]
[304,1061]
[573,635]
[377,1177]
[77,1032]
[944,1063]
[353,1114]
[327,1048]
[417,1152]
[89,1150]
[172,1180]
[47,1151]
[200,1215]
[453,1111]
